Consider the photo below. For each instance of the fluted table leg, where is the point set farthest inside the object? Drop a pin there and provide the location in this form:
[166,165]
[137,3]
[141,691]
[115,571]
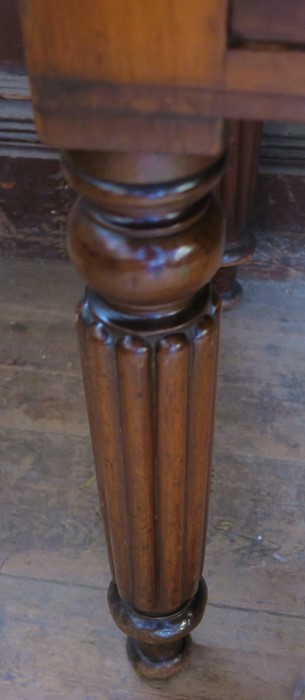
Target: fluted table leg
[147,237]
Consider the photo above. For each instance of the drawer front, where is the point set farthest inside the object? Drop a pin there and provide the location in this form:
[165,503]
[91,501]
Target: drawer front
[163,74]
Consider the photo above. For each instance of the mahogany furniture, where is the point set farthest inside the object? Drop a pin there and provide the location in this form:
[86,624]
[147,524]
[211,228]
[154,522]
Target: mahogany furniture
[137,94]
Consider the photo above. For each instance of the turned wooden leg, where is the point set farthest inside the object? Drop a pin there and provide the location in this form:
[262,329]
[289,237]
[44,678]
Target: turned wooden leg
[147,237]
[237,193]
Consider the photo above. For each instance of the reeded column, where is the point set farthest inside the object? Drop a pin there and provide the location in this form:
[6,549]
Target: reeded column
[147,237]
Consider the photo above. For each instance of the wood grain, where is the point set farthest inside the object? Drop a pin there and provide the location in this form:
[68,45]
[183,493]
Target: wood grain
[118,39]
[134,360]
[172,392]
[123,37]
[255,93]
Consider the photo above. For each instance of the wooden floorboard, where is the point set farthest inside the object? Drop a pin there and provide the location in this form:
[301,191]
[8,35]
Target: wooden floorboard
[57,638]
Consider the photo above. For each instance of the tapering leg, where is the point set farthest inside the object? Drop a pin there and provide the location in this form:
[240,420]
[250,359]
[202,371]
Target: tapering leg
[237,193]
[147,237]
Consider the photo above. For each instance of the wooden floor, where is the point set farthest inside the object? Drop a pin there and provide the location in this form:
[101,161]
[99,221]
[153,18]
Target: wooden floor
[57,639]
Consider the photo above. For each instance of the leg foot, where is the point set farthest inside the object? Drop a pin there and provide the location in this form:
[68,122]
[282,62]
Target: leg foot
[158,646]
[228,287]
[233,297]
